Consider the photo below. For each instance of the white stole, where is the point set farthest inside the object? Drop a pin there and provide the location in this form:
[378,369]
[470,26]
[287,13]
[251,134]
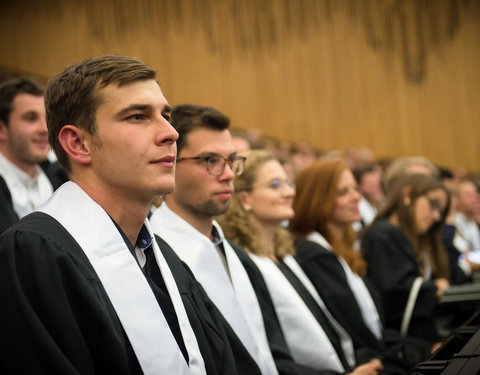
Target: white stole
[234,296]
[308,343]
[345,339]
[360,291]
[128,290]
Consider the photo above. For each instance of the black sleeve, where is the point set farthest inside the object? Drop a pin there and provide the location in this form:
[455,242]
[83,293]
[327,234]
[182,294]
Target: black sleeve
[392,267]
[327,275]
[55,316]
[8,216]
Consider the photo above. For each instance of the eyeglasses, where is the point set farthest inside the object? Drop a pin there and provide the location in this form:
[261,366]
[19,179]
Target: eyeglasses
[279,184]
[216,164]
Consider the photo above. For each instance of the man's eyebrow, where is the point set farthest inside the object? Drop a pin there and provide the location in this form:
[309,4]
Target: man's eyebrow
[134,107]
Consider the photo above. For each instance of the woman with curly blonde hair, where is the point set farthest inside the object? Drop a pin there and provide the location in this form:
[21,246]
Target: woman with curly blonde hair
[261,203]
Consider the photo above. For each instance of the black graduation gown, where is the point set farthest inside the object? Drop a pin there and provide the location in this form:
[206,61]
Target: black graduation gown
[392,267]
[8,216]
[276,340]
[322,267]
[329,279]
[56,317]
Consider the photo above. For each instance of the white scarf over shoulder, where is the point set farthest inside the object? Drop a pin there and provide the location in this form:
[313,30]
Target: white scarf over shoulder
[128,290]
[234,296]
[360,291]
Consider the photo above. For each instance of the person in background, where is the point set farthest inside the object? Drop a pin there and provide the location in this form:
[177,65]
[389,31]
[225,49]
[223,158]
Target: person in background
[207,163]
[468,203]
[262,200]
[370,187]
[23,145]
[405,254]
[326,206]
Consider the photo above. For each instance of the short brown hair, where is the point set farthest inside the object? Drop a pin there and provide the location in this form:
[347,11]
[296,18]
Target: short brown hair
[314,202]
[73,97]
[12,87]
[187,117]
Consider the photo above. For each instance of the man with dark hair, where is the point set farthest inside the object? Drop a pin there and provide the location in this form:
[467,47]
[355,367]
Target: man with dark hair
[207,164]
[86,288]
[23,145]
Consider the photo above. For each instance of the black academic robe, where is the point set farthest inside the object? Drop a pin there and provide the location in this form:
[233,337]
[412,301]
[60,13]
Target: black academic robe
[8,216]
[322,267]
[278,345]
[56,317]
[393,267]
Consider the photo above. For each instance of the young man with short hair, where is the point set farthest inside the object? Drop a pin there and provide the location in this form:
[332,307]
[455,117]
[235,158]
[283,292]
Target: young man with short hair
[86,288]
[23,145]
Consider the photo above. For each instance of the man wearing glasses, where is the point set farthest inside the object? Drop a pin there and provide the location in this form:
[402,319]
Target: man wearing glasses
[207,163]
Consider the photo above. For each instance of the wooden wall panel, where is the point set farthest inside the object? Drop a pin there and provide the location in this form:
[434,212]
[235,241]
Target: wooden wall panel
[399,76]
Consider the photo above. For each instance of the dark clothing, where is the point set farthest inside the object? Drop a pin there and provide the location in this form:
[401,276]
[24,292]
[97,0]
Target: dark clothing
[56,317]
[8,216]
[276,339]
[322,267]
[457,275]
[329,279]
[57,176]
[393,267]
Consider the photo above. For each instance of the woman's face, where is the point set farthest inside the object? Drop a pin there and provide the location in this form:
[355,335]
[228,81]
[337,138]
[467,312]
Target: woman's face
[271,198]
[345,211]
[428,209]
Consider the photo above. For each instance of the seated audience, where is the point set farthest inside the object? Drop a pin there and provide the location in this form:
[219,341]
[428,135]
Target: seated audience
[326,206]
[262,200]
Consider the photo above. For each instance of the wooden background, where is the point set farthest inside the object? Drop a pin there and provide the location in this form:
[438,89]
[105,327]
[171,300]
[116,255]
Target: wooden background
[399,76]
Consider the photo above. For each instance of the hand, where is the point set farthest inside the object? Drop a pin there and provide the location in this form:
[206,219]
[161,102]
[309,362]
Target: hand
[441,284]
[370,368]
[474,266]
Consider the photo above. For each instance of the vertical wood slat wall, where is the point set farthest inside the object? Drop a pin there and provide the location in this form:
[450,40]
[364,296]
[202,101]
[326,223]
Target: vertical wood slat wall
[399,76]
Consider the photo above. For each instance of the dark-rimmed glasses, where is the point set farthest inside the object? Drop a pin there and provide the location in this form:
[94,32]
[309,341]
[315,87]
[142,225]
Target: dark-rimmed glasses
[216,164]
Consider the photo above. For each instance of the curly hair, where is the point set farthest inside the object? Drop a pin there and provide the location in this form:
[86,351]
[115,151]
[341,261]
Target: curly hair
[238,224]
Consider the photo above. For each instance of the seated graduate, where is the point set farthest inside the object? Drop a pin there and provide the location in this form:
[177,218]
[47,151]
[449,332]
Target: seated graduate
[262,200]
[23,145]
[405,254]
[86,289]
[326,206]
[206,167]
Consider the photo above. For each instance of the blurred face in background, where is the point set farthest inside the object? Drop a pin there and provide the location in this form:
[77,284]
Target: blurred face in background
[468,199]
[371,188]
[25,138]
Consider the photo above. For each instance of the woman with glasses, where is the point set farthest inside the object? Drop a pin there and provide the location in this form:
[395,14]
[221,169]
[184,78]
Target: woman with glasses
[326,206]
[262,201]
[405,255]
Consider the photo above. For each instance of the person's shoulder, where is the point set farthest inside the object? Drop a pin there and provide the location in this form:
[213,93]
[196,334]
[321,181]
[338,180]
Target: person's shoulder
[307,250]
[37,231]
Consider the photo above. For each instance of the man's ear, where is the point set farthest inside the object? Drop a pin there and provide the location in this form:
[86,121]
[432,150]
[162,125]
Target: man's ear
[406,195]
[76,144]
